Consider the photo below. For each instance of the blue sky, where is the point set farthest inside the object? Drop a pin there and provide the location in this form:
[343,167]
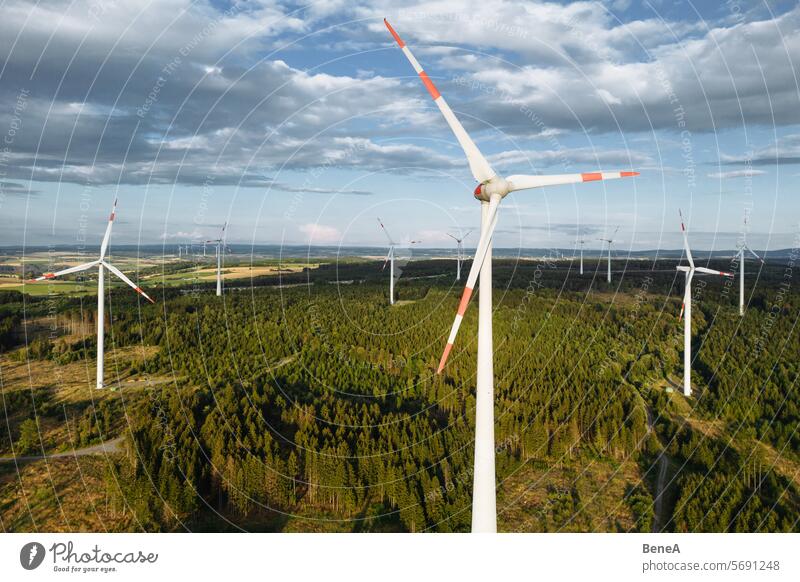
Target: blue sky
[302,123]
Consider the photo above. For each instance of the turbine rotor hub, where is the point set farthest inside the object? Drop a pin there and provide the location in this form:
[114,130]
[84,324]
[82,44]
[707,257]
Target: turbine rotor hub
[495,187]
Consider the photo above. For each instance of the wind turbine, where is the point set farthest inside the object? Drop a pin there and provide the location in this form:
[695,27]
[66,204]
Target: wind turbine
[581,242]
[460,256]
[686,308]
[609,241]
[390,259]
[490,191]
[742,248]
[219,246]
[101,265]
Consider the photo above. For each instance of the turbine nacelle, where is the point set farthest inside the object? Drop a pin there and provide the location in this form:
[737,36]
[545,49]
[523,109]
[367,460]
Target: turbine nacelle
[496,186]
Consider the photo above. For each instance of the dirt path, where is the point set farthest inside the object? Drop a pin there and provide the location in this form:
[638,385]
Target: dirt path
[658,518]
[112,446]
[663,464]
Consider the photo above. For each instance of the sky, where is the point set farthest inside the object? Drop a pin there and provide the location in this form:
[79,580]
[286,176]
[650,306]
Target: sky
[302,123]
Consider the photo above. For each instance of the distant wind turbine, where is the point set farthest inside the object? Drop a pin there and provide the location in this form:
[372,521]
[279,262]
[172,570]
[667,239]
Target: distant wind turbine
[219,245]
[390,259]
[460,256]
[686,308]
[742,247]
[609,241]
[101,265]
[581,242]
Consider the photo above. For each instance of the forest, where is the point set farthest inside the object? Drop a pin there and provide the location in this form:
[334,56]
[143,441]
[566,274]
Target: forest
[304,402]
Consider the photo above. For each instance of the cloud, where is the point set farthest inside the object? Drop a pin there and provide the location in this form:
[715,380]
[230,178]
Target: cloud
[182,235]
[124,95]
[275,185]
[567,157]
[17,190]
[321,233]
[720,74]
[608,97]
[748,173]
[784,151]
[429,236]
[117,97]
[568,228]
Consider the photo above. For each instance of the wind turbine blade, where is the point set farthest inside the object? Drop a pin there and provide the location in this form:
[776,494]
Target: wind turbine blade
[122,276]
[752,252]
[481,170]
[474,271]
[469,232]
[712,272]
[683,306]
[67,271]
[524,182]
[107,236]
[686,241]
[386,232]
[452,237]
[386,262]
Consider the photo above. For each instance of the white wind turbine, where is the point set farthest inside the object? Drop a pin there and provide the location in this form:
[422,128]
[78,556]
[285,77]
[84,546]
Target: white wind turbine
[390,259]
[686,308]
[742,247]
[101,265]
[219,245]
[490,191]
[581,242]
[610,242]
[460,255]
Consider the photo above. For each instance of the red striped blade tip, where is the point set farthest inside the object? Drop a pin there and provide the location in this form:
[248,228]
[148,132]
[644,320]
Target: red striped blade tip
[443,360]
[394,34]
